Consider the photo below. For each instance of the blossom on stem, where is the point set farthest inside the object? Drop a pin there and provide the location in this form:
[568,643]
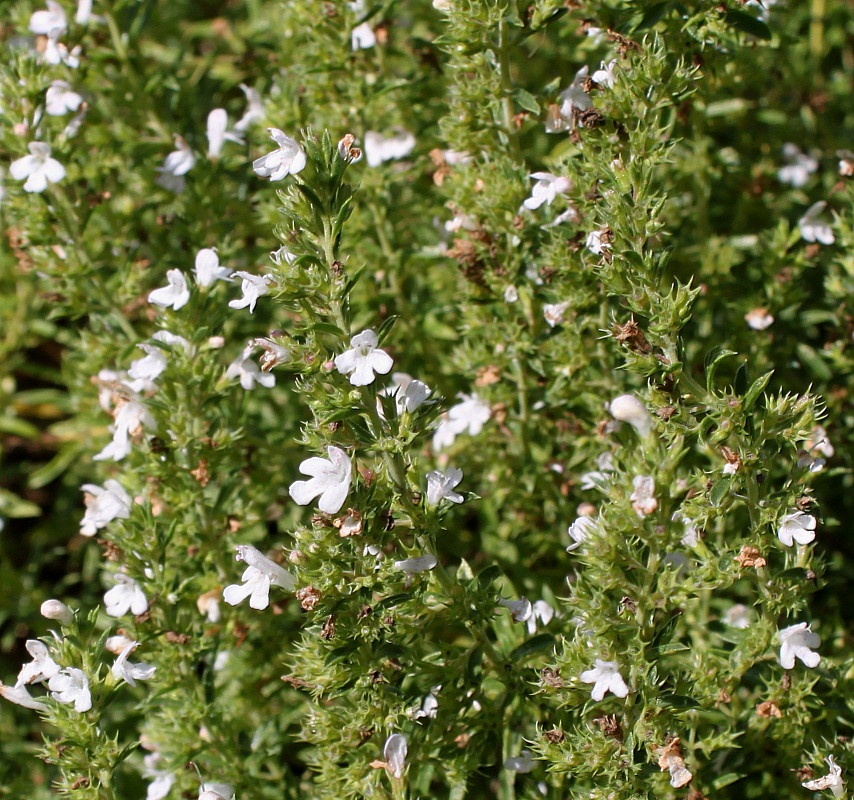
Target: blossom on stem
[51,20]
[37,169]
[56,609]
[440,486]
[520,610]
[208,269]
[797,641]
[798,168]
[130,415]
[394,752]
[330,479]
[812,228]
[41,668]
[21,696]
[363,359]
[605,677]
[408,392]
[161,780]
[71,685]
[175,294]
[218,133]
[542,611]
[249,373]
[597,242]
[253,287]
[580,531]
[378,148]
[759,319]
[254,108]
[125,596]
[627,408]
[362,37]
[469,416]
[546,188]
[260,574]
[833,780]
[604,76]
[151,366]
[418,564]
[643,497]
[177,164]
[60,99]
[553,312]
[287,159]
[123,669]
[797,527]
[103,505]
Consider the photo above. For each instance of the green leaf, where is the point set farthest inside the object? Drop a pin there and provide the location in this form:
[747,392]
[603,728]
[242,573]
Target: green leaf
[748,24]
[652,16]
[533,645]
[394,600]
[710,364]
[720,490]
[726,780]
[526,100]
[385,327]
[488,575]
[756,389]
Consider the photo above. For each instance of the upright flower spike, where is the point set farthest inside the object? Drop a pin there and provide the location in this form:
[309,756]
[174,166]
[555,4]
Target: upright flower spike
[287,159]
[797,641]
[125,596]
[605,677]
[363,359]
[71,686]
[546,188]
[330,479]
[37,169]
[260,574]
[797,527]
[440,486]
[103,505]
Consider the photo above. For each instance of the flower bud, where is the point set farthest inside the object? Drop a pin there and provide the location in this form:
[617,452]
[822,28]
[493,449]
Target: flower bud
[627,408]
[56,609]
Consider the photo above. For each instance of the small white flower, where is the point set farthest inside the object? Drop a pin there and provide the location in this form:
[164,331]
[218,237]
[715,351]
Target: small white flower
[553,312]
[249,373]
[798,168]
[161,780]
[604,76]
[38,168]
[363,359]
[56,609]
[597,242]
[575,98]
[330,479]
[41,668]
[546,188]
[218,133]
[260,574]
[103,505]
[690,535]
[738,617]
[254,109]
[409,393]
[130,417]
[208,270]
[84,12]
[524,762]
[21,696]
[71,685]
[394,752]
[599,477]
[643,497]
[511,294]
[122,669]
[440,486]
[253,287]
[60,99]
[759,319]
[469,416]
[151,366]
[287,159]
[418,564]
[627,408]
[125,596]
[460,222]
[216,791]
[542,611]
[520,610]
[177,164]
[797,527]
[819,440]
[208,604]
[833,780]
[797,641]
[378,148]
[362,37]
[605,677]
[580,531]
[53,20]
[115,644]
[175,294]
[811,227]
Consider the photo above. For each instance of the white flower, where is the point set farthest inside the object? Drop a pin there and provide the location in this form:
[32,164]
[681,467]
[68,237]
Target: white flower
[690,535]
[41,668]
[460,222]
[115,644]
[819,441]
[363,359]
[643,497]
[520,610]
[379,148]
[575,98]
[125,596]
[71,685]
[218,133]
[604,76]
[599,477]
[38,168]
[797,641]
[249,373]
[103,505]
[60,99]
[362,37]
[524,762]
[469,416]
[429,706]
[84,12]
[394,752]
[542,611]
[759,319]
[812,228]
[151,366]
[605,677]
[797,527]
[627,408]
[833,780]
[21,696]
[409,394]
[273,355]
[738,617]
[260,574]
[55,52]
[440,486]
[53,20]
[177,164]
[208,270]
[122,669]
[553,312]
[330,479]
[56,609]
[174,294]
[254,109]
[596,242]
[546,188]
[216,791]
[208,604]
[846,163]
[799,166]
[287,159]
[580,531]
[73,127]
[511,294]
[161,780]
[253,287]
[130,417]
[418,564]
